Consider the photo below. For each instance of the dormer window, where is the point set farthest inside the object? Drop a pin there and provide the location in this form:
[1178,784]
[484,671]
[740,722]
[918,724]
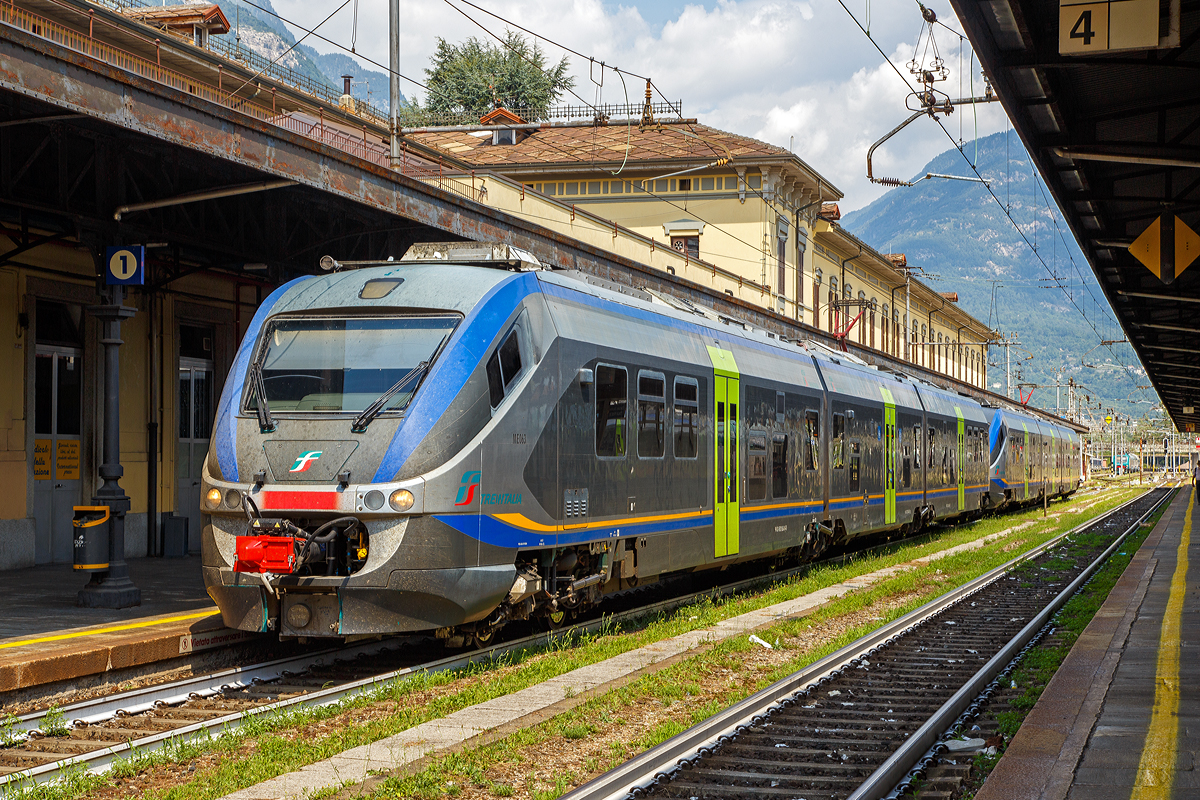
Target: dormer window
[500,118]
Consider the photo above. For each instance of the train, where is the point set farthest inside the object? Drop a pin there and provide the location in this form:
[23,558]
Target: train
[465,438]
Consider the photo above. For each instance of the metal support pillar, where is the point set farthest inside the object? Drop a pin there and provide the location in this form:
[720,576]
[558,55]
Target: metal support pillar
[394,69]
[112,588]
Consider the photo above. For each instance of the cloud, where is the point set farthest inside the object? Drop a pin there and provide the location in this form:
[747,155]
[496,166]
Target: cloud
[776,70]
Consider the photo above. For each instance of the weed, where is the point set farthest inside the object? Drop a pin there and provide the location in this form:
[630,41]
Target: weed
[10,735]
[54,723]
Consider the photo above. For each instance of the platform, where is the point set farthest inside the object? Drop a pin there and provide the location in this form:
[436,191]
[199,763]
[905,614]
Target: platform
[45,638]
[1121,717]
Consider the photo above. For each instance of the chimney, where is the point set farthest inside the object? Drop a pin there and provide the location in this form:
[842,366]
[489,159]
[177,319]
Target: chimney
[830,211]
[899,260]
[346,101]
[951,296]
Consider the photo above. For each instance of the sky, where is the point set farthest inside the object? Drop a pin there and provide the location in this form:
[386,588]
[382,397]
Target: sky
[795,73]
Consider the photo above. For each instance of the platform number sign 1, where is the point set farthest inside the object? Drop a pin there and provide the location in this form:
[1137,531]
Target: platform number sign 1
[126,265]
[1085,26]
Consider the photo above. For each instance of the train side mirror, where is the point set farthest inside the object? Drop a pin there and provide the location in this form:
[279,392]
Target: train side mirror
[586,377]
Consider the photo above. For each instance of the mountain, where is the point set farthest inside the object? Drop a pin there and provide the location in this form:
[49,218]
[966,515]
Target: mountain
[959,235]
[255,27]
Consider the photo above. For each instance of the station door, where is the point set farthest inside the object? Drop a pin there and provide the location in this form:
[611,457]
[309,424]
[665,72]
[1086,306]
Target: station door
[58,393]
[195,416]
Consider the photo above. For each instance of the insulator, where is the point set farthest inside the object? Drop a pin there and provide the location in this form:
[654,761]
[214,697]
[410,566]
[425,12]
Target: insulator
[890,182]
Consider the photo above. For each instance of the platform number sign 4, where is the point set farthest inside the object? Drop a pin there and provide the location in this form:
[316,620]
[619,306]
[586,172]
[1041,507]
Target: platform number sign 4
[125,265]
[1085,26]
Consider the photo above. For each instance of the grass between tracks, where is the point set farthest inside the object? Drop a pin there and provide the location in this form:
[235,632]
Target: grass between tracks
[209,767]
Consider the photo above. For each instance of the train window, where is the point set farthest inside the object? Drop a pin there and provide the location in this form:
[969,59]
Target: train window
[322,365]
[510,359]
[780,407]
[779,466]
[652,410]
[495,380]
[855,463]
[906,470]
[916,446]
[812,435]
[756,466]
[931,458]
[837,457]
[687,417]
[611,402]
[502,368]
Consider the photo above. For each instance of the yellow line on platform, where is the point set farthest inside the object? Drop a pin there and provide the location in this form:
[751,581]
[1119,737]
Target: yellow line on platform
[1156,772]
[111,629]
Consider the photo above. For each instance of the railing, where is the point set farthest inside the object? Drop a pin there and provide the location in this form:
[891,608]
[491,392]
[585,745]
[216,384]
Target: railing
[314,127]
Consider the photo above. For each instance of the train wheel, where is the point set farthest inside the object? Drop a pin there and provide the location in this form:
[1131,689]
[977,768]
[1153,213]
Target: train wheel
[483,637]
[552,621]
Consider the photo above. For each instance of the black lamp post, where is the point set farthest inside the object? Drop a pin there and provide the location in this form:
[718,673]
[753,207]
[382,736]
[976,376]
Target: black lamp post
[112,588]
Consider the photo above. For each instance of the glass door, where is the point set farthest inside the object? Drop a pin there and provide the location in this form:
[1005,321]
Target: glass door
[890,445]
[58,390]
[195,416]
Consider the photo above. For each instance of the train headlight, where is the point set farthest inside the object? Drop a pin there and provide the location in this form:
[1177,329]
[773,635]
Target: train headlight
[233,499]
[213,498]
[401,500]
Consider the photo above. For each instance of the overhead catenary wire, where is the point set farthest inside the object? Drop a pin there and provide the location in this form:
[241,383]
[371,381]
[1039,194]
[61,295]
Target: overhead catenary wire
[1032,246]
[295,44]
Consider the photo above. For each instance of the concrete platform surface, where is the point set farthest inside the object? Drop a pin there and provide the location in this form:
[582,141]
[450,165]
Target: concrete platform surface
[41,599]
[45,638]
[1121,717]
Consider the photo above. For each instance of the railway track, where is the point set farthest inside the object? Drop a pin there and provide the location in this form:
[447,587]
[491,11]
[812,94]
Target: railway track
[95,733]
[856,724]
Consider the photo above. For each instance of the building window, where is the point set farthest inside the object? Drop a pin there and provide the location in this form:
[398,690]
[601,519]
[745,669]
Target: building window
[687,244]
[706,184]
[685,184]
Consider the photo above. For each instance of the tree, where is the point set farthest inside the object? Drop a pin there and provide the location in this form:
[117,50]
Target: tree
[475,76]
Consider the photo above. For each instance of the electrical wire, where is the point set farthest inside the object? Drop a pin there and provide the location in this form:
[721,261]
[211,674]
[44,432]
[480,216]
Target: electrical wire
[1032,246]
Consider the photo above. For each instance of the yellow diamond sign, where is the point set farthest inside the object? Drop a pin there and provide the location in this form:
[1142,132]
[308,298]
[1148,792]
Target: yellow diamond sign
[1167,247]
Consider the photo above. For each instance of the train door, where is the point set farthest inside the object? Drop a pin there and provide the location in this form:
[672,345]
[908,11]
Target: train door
[961,467]
[1026,461]
[890,446]
[58,384]
[726,457]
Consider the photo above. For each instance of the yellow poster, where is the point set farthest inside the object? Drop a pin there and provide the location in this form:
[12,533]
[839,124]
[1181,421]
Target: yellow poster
[66,460]
[41,459]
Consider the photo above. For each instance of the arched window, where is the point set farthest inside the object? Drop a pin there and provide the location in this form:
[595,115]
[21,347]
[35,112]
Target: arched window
[924,334]
[885,311]
[862,295]
[817,277]
[833,283]
[847,291]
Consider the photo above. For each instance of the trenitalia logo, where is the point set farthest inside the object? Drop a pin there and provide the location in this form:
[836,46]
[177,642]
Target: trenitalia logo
[466,492]
[305,461]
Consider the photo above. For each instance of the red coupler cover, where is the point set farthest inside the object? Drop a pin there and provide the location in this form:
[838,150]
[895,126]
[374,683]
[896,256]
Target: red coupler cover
[265,554]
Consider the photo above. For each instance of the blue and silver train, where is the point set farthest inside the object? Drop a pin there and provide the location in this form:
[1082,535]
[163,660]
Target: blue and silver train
[462,438]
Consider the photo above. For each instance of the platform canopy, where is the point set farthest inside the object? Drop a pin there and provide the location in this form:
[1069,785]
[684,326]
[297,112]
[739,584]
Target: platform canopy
[1106,97]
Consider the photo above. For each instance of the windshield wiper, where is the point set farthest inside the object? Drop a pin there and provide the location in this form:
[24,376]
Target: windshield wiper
[372,411]
[266,423]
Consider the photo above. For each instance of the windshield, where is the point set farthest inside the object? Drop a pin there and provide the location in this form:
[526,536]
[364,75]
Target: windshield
[335,365]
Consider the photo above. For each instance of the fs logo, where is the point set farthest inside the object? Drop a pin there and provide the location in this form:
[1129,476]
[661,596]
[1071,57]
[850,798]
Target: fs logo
[305,461]
[466,492]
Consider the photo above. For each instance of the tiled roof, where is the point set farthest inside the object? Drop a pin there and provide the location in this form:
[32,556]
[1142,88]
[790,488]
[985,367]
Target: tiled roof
[586,144]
